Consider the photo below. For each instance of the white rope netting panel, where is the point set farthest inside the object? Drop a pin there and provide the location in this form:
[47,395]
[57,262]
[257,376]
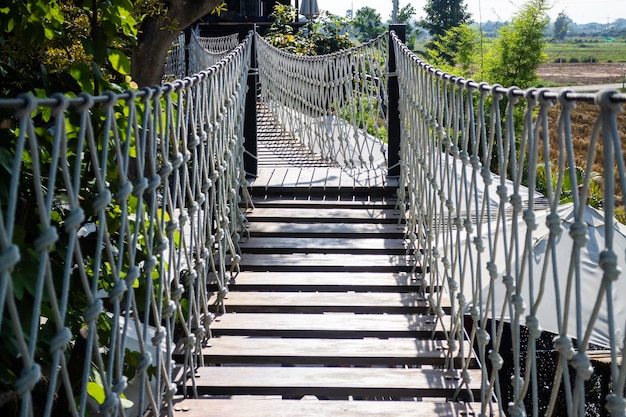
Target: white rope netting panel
[207,51]
[333,104]
[117,214]
[175,60]
[525,267]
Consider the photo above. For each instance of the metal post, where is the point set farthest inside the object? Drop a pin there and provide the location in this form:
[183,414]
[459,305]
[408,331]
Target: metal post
[250,123]
[393,114]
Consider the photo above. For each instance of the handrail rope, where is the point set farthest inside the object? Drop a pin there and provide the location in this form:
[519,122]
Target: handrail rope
[444,133]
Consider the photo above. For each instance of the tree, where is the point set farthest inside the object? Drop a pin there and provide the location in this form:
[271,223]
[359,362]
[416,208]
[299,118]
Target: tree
[456,51]
[561,26]
[405,16]
[367,24]
[80,45]
[442,15]
[157,32]
[517,52]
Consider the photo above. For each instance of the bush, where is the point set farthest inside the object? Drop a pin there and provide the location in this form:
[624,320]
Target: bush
[573,60]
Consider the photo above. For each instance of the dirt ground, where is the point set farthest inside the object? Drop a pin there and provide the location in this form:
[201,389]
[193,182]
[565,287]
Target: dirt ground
[583,73]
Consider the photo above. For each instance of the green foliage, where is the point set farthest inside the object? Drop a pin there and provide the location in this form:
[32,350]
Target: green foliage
[442,15]
[323,35]
[561,26]
[595,192]
[456,51]
[367,24]
[517,53]
[51,50]
[405,16]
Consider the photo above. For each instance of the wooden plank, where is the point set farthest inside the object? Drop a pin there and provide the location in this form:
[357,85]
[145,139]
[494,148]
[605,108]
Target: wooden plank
[330,381]
[325,281]
[329,352]
[329,229]
[268,407]
[305,202]
[330,325]
[323,215]
[405,303]
[318,179]
[326,245]
[319,262]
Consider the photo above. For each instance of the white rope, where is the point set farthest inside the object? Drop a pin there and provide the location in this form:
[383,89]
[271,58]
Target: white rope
[137,211]
[205,52]
[334,104]
[502,258]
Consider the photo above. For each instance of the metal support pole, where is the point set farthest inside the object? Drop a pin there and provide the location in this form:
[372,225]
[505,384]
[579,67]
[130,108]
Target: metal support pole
[393,114]
[250,123]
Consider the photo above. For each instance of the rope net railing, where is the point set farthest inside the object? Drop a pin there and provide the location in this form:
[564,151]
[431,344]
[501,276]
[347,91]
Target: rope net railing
[539,279]
[118,211]
[203,53]
[334,104]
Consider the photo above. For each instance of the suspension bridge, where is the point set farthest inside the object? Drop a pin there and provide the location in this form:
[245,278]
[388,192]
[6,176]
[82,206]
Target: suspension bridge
[356,234]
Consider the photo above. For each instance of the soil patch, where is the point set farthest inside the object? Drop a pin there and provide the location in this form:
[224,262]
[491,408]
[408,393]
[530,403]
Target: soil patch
[583,73]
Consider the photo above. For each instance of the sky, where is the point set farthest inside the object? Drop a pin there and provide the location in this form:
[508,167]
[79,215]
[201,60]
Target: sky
[580,11]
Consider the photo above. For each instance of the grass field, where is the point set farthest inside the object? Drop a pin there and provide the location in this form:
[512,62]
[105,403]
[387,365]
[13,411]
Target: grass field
[586,50]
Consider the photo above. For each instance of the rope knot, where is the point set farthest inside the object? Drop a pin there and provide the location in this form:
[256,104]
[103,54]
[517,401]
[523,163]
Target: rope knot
[563,345]
[493,270]
[61,340]
[485,173]
[496,360]
[534,329]
[9,258]
[553,221]
[118,290]
[516,202]
[608,263]
[566,103]
[604,100]
[615,404]
[483,337]
[578,232]
[529,217]
[518,303]
[516,410]
[509,282]
[47,239]
[478,242]
[28,379]
[132,275]
[502,192]
[582,365]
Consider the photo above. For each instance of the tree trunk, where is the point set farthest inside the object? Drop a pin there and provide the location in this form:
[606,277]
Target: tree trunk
[157,33]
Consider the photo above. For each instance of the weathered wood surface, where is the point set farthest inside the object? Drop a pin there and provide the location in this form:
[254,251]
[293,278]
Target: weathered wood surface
[272,407]
[331,381]
[328,305]
[326,281]
[330,326]
[330,352]
[319,302]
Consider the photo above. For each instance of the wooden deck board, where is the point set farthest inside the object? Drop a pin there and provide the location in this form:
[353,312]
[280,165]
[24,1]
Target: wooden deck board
[329,230]
[324,245]
[326,215]
[333,325]
[398,303]
[246,407]
[333,352]
[330,381]
[325,281]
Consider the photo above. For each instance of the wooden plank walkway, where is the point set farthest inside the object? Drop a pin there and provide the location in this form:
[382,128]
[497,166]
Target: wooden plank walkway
[327,317]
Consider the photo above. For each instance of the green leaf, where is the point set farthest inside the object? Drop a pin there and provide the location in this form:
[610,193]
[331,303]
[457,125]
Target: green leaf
[96,391]
[119,61]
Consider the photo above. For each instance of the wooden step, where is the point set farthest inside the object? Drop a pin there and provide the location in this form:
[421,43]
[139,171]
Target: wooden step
[325,281]
[324,215]
[353,230]
[334,382]
[268,407]
[321,203]
[320,262]
[330,325]
[333,352]
[372,246]
[319,302]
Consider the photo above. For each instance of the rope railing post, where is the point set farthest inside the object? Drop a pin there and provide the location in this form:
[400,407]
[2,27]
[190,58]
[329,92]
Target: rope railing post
[393,113]
[250,122]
